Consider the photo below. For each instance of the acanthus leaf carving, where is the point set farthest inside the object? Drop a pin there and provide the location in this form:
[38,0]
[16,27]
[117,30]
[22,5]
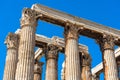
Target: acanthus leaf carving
[52,51]
[12,41]
[72,30]
[38,67]
[106,42]
[86,59]
[29,17]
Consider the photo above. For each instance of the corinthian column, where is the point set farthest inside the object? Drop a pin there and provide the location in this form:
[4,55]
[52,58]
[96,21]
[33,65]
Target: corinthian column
[12,56]
[25,66]
[51,63]
[118,66]
[109,61]
[72,60]
[38,70]
[86,67]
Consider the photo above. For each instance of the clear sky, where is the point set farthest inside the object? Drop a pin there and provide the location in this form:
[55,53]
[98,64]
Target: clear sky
[106,12]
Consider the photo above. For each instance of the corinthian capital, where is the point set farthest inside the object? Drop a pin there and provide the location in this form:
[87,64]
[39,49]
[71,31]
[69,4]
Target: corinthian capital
[72,31]
[52,52]
[38,67]
[29,18]
[12,41]
[106,42]
[86,59]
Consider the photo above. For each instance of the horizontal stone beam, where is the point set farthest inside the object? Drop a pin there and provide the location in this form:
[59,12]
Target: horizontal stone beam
[90,29]
[42,41]
[59,42]
[99,68]
[38,53]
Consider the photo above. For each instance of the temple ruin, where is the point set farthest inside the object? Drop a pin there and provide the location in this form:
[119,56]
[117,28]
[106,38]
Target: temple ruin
[22,63]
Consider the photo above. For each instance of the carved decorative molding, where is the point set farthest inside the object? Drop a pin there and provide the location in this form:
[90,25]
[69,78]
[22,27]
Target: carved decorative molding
[52,52]
[12,41]
[72,31]
[106,42]
[38,67]
[86,60]
[29,17]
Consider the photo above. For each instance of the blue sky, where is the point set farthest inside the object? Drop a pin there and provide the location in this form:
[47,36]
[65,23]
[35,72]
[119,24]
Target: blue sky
[106,12]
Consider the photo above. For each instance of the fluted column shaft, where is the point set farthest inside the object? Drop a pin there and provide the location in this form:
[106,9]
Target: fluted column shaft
[72,60]
[12,56]
[25,66]
[118,65]
[86,73]
[86,67]
[51,63]
[109,61]
[38,70]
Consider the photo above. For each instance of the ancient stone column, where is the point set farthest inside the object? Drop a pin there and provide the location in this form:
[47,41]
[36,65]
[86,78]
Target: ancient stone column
[25,66]
[51,63]
[86,67]
[109,62]
[38,70]
[118,65]
[96,77]
[72,60]
[12,56]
